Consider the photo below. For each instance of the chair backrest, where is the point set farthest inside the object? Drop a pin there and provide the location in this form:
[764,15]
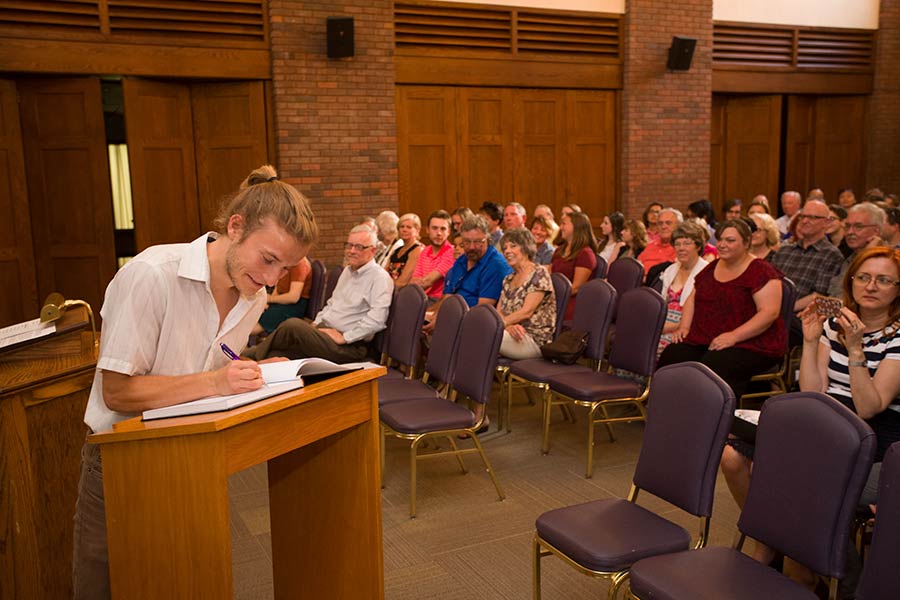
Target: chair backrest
[445,338]
[593,314]
[316,289]
[641,313]
[380,340]
[689,413]
[788,297]
[625,274]
[880,576]
[562,288]
[407,316]
[476,355]
[812,458]
[600,269]
[331,279]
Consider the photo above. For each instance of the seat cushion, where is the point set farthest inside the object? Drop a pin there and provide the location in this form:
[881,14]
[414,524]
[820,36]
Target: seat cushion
[539,370]
[392,390]
[421,415]
[711,573]
[591,386]
[610,535]
[393,373]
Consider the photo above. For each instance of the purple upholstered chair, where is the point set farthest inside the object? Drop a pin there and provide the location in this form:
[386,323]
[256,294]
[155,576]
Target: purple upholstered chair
[779,374]
[316,288]
[441,357]
[625,274]
[600,269]
[881,577]
[688,418]
[418,419]
[638,326]
[331,279]
[401,341]
[812,458]
[593,313]
[562,290]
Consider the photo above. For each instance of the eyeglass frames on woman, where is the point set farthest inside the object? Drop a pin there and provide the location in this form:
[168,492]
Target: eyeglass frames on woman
[882,282]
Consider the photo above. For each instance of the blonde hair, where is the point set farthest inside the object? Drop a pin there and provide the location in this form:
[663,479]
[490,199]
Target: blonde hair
[262,196]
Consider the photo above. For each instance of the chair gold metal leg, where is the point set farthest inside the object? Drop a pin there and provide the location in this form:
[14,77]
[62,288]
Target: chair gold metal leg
[615,583]
[609,429]
[590,443]
[508,414]
[487,465]
[412,477]
[459,459]
[536,567]
[545,400]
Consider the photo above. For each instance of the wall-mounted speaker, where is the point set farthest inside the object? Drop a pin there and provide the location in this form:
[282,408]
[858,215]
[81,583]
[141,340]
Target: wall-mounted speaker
[340,37]
[681,52]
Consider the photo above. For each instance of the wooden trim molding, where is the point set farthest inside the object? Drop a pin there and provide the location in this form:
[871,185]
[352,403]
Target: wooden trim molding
[789,82]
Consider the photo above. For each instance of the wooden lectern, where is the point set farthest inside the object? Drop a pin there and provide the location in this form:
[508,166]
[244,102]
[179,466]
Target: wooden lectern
[166,488]
[44,387]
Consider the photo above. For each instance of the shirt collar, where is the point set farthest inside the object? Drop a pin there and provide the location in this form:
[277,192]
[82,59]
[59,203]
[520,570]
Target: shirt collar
[365,268]
[195,262]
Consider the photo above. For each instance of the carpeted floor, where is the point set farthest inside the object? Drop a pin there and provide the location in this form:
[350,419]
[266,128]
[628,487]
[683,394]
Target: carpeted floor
[464,543]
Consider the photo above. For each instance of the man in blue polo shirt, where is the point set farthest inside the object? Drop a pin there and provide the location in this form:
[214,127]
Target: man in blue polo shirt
[478,275]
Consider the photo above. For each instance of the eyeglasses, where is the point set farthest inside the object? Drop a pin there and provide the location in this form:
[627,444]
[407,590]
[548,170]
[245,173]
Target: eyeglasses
[882,282]
[814,217]
[857,226]
[357,247]
[682,243]
[467,243]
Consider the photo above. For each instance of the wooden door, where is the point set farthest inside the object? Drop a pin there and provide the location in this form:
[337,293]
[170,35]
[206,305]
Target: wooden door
[229,137]
[799,143]
[591,152]
[161,156]
[17,277]
[540,148]
[839,127]
[752,146]
[485,145]
[67,170]
[427,149]
[717,153]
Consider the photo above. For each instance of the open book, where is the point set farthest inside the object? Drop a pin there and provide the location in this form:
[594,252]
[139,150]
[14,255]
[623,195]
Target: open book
[279,377]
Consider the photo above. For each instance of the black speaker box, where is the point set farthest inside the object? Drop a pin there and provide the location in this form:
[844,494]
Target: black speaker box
[340,37]
[681,52]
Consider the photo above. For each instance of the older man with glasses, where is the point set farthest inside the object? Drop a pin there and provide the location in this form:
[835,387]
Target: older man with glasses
[810,261]
[862,227]
[357,310]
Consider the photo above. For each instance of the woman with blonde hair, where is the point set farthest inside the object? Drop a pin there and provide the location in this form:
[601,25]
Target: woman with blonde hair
[402,262]
[765,240]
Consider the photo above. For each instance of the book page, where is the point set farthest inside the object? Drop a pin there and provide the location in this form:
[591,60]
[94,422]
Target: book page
[220,403]
[22,332]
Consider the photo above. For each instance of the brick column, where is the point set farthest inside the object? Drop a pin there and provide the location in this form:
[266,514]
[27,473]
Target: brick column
[883,118]
[665,115]
[335,119]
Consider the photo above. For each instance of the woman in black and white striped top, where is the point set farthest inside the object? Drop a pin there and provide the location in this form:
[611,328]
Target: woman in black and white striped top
[855,357]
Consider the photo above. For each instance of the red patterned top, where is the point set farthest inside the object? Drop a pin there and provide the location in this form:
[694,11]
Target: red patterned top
[721,306]
[586,258]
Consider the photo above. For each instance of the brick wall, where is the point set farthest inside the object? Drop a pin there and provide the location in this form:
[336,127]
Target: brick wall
[335,119]
[883,119]
[665,115]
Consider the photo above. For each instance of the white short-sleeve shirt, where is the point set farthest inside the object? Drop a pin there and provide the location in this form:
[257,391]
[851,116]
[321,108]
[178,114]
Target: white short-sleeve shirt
[160,318]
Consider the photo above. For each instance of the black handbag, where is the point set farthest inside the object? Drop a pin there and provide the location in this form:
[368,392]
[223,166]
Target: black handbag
[567,348]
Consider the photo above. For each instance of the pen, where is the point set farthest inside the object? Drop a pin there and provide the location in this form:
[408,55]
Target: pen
[229,352]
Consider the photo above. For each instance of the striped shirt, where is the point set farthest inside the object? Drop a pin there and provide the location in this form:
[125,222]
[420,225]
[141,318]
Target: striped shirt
[876,346]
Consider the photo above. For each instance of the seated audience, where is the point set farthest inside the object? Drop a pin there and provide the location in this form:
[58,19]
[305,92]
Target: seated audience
[540,231]
[853,357]
[493,214]
[611,245]
[527,300]
[678,278]
[576,257]
[458,248]
[650,219]
[874,195]
[514,215]
[731,209]
[542,210]
[816,194]
[891,230]
[846,198]
[759,204]
[435,259]
[289,298]
[568,209]
[357,310]
[764,241]
[386,224]
[402,261]
[863,230]
[703,210]
[731,322]
[635,237]
[661,250]
[835,229]
[458,216]
[790,206]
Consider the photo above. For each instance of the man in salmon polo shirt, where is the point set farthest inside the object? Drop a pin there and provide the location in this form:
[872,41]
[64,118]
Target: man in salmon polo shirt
[436,259]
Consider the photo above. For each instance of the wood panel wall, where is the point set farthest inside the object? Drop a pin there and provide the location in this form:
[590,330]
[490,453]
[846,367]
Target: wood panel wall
[463,146]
